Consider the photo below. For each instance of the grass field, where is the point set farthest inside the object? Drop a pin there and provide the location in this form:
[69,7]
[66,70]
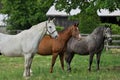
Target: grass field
[12,68]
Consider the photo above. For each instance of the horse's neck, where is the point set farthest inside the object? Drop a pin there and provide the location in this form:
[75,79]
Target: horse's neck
[65,35]
[39,32]
[99,38]
[34,35]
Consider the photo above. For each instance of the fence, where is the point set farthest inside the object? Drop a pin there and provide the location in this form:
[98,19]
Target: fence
[116,40]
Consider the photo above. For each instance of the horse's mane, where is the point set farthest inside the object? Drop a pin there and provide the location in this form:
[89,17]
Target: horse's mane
[98,30]
[66,28]
[34,26]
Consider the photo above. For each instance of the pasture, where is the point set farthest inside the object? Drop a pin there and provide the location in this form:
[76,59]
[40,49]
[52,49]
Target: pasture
[12,68]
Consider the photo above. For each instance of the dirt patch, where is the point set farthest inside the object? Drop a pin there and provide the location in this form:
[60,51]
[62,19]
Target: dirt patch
[115,68]
[117,51]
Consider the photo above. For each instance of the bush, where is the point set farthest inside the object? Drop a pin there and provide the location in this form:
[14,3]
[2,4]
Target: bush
[59,28]
[115,29]
[88,20]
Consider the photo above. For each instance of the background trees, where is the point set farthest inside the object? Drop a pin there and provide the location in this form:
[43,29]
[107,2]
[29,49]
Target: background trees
[22,14]
[88,18]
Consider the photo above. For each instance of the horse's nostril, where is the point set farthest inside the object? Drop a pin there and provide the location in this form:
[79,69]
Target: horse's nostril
[110,40]
[56,37]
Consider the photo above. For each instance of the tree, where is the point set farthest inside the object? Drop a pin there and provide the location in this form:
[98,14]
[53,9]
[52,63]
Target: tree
[88,16]
[22,14]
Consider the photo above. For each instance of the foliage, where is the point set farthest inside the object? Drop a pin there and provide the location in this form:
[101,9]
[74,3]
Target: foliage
[83,5]
[88,22]
[88,18]
[115,29]
[59,28]
[22,14]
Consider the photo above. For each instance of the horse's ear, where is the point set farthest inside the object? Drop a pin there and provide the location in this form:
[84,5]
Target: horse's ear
[108,26]
[49,19]
[53,19]
[76,24]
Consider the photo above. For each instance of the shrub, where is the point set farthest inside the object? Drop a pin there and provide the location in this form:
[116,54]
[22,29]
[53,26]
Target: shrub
[59,28]
[115,29]
[88,20]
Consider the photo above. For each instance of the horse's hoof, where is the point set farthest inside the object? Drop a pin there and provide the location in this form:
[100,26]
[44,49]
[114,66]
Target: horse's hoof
[51,71]
[63,69]
[98,69]
[27,78]
[89,69]
[69,70]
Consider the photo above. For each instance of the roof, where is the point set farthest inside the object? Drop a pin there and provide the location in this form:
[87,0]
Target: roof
[52,11]
[103,12]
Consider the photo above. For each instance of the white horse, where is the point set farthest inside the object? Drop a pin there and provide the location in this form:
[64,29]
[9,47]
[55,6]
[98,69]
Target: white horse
[26,43]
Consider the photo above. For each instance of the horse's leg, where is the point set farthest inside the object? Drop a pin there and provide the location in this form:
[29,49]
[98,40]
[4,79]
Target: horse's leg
[28,62]
[54,56]
[90,61]
[68,59]
[98,60]
[61,56]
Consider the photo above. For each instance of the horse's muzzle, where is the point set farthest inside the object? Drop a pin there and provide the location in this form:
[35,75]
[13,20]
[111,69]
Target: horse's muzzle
[110,40]
[79,37]
[56,37]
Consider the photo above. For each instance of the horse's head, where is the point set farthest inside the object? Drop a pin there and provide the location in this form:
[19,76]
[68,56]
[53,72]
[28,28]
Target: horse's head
[108,33]
[51,30]
[76,32]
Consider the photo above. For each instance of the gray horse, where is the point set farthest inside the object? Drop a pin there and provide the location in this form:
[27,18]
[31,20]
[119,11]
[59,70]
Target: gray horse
[90,45]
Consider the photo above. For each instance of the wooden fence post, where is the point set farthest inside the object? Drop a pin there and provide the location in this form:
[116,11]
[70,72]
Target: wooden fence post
[107,45]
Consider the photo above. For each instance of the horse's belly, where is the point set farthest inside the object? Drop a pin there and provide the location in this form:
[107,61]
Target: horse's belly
[44,51]
[83,53]
[12,55]
[13,52]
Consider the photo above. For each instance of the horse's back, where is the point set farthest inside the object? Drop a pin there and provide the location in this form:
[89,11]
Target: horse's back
[4,36]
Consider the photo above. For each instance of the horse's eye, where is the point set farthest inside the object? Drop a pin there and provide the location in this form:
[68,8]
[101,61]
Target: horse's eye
[50,27]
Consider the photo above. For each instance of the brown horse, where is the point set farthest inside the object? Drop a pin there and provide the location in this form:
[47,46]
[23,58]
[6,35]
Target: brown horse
[55,47]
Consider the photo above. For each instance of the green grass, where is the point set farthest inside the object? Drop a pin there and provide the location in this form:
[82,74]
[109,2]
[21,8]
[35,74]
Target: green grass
[12,68]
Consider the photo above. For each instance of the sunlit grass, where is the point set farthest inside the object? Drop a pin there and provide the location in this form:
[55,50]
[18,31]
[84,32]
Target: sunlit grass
[12,68]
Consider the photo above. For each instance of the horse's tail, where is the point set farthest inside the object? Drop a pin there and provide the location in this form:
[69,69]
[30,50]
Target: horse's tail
[0,54]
